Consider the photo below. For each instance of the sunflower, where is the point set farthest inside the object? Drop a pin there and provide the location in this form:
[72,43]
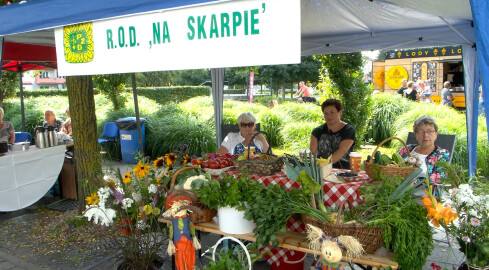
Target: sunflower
[170,159]
[158,181]
[186,159]
[127,177]
[141,170]
[92,199]
[158,163]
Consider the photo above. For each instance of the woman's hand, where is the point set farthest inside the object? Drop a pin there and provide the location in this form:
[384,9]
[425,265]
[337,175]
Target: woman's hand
[262,139]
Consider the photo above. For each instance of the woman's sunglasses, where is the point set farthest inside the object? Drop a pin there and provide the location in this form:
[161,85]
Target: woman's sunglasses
[250,124]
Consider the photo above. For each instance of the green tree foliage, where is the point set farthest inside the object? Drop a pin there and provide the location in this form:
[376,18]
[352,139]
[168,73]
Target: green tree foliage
[191,77]
[345,72]
[154,79]
[112,85]
[8,83]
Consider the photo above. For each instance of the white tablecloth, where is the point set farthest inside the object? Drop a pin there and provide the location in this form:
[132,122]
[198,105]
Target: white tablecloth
[26,176]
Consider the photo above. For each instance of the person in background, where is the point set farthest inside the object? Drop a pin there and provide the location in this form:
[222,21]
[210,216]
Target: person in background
[426,132]
[403,87]
[235,143]
[51,120]
[424,92]
[446,94]
[67,125]
[7,131]
[303,94]
[335,138]
[410,92]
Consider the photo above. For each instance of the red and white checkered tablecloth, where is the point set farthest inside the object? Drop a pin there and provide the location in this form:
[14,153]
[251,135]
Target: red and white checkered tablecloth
[334,194]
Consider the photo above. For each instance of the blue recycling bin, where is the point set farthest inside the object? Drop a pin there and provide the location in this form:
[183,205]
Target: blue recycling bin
[128,134]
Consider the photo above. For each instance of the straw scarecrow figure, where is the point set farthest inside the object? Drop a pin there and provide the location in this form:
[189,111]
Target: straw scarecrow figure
[330,248]
[182,232]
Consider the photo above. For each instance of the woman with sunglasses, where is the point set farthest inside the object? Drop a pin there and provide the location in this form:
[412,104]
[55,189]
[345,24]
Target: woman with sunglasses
[426,131]
[235,143]
[335,138]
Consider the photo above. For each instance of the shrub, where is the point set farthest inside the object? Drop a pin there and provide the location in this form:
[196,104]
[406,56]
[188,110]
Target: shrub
[300,112]
[386,109]
[297,136]
[163,95]
[271,123]
[166,131]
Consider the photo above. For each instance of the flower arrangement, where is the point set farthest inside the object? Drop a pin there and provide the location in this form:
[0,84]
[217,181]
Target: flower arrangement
[464,215]
[133,202]
[472,230]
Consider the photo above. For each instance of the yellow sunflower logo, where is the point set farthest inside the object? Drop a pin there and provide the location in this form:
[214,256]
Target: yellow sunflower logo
[78,43]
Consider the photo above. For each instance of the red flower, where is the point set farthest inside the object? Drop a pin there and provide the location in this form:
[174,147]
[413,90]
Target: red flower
[125,225]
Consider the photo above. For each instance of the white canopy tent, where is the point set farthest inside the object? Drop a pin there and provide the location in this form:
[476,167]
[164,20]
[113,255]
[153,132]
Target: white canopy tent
[327,27]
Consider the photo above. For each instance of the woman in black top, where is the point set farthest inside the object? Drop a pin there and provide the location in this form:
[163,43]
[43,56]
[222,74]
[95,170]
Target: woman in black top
[335,138]
[410,92]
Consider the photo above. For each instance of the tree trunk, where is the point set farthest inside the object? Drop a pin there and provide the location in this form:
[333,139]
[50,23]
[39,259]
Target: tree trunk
[283,91]
[84,124]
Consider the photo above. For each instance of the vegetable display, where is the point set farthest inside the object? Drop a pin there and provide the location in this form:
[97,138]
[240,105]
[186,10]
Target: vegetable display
[405,229]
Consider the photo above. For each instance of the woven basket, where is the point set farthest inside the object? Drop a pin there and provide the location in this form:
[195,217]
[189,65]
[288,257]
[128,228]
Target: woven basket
[207,214]
[370,168]
[267,165]
[370,237]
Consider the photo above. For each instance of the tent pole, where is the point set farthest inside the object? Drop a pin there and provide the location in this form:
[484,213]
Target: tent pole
[21,93]
[136,109]
[217,77]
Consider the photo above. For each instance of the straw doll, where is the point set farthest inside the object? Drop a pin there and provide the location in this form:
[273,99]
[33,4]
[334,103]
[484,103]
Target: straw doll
[182,232]
[330,248]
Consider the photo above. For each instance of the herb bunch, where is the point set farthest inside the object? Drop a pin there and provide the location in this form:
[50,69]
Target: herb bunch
[228,191]
[405,228]
[272,207]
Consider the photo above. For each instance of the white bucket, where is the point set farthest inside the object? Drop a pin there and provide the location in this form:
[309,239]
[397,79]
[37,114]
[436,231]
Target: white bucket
[232,221]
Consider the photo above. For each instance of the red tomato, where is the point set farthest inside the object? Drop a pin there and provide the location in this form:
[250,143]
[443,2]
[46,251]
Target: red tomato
[206,164]
[214,165]
[224,164]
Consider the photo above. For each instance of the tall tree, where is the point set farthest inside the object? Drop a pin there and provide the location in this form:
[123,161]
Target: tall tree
[345,72]
[8,83]
[113,86]
[84,124]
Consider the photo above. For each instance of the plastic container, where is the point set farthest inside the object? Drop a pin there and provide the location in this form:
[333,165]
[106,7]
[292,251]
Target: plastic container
[355,161]
[232,221]
[129,139]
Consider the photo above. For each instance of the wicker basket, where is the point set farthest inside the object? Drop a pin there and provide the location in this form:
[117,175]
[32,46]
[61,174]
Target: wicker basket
[267,165]
[370,168]
[370,237]
[207,214]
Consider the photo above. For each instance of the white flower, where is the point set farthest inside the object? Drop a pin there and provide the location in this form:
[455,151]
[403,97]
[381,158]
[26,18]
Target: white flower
[103,194]
[106,216]
[152,188]
[453,191]
[127,202]
[473,212]
[137,197]
[475,222]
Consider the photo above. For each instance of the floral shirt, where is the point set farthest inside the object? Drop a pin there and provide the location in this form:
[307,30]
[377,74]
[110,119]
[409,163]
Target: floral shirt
[439,154]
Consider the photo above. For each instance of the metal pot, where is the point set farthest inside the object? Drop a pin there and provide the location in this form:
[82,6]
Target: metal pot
[41,137]
[20,146]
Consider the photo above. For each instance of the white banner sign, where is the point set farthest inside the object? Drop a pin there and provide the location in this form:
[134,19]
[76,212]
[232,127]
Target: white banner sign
[230,34]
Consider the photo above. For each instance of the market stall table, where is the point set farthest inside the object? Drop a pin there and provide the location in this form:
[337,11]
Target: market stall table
[334,195]
[26,176]
[298,241]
